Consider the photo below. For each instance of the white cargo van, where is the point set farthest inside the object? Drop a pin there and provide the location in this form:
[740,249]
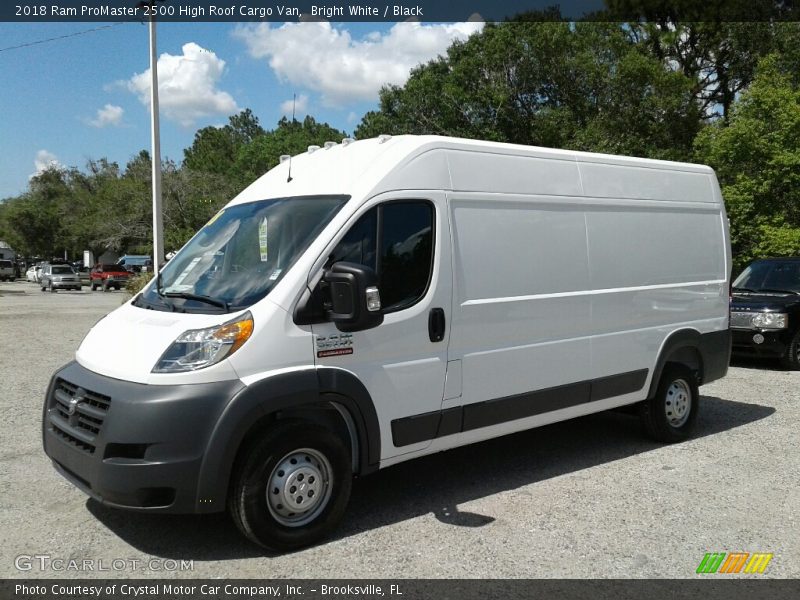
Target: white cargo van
[374,301]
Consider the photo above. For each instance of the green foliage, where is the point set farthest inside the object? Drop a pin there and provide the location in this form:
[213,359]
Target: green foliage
[242,150]
[137,283]
[583,86]
[757,159]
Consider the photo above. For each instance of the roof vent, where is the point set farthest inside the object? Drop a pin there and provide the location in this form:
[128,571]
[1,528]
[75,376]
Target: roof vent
[285,157]
[347,141]
[384,137]
[329,145]
[312,149]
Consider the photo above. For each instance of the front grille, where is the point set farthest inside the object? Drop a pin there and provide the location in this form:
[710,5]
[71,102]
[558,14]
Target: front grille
[83,425]
[742,320]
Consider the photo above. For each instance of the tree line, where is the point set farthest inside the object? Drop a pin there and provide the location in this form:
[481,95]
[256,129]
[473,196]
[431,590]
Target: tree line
[723,94]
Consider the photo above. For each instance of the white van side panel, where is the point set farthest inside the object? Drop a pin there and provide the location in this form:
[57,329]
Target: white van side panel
[563,280]
[512,327]
[507,173]
[615,181]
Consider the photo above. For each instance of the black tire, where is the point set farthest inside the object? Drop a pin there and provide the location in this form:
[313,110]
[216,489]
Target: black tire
[116,287]
[791,358]
[661,415]
[258,464]
[94,287]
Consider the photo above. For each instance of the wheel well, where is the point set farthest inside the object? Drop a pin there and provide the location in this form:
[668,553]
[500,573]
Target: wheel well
[689,356]
[683,348]
[327,414]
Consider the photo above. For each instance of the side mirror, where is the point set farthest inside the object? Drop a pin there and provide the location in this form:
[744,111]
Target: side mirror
[355,299]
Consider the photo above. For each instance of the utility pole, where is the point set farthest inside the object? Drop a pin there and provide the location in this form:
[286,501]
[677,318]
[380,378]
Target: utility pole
[158,220]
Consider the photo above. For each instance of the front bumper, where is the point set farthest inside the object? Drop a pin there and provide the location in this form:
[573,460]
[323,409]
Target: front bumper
[131,445]
[774,342]
[67,285]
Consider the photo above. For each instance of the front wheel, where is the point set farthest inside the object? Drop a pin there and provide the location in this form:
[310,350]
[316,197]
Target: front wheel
[670,415]
[791,358]
[290,488]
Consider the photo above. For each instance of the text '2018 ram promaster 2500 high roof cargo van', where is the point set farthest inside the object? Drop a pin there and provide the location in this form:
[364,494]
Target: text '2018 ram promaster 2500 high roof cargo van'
[374,301]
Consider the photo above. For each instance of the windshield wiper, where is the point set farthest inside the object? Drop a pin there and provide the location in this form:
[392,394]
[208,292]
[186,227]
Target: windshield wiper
[199,298]
[741,289]
[776,291]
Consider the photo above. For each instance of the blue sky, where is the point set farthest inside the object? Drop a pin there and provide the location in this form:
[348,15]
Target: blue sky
[85,97]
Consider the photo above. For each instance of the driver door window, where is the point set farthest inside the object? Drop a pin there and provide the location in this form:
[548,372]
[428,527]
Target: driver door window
[396,240]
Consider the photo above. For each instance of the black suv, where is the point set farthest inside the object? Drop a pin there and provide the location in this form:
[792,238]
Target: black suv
[765,310]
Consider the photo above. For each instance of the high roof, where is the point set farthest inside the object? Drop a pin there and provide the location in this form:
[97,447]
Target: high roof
[367,167]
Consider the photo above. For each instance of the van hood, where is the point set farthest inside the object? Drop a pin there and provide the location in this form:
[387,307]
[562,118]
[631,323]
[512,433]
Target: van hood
[127,343]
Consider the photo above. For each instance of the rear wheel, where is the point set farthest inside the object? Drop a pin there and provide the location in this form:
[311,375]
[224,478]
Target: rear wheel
[290,487]
[94,287]
[791,358]
[670,415]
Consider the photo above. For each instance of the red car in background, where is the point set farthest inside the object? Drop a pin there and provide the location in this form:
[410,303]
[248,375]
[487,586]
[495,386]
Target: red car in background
[108,276]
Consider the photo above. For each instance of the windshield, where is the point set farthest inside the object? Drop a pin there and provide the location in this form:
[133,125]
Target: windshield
[775,276]
[240,254]
[62,270]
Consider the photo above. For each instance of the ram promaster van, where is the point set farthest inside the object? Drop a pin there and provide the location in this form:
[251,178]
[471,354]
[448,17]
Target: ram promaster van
[374,301]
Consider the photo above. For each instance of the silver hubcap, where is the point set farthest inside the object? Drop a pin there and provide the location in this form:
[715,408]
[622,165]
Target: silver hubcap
[299,487]
[678,403]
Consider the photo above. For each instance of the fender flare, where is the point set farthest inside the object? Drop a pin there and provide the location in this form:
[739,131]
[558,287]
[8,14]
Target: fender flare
[302,388]
[683,338]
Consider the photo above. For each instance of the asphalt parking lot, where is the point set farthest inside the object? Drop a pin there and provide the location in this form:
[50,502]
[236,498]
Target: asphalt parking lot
[586,498]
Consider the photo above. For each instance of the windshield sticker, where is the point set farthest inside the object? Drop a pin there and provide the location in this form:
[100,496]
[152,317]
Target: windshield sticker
[186,272]
[215,217]
[262,239]
[275,274]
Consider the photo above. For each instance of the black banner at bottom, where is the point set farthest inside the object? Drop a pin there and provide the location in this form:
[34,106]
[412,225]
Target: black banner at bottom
[399,589]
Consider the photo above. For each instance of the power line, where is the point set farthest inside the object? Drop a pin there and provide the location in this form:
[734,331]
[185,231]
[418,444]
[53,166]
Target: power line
[61,37]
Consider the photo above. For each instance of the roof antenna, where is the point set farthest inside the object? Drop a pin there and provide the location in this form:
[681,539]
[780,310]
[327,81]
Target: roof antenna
[294,102]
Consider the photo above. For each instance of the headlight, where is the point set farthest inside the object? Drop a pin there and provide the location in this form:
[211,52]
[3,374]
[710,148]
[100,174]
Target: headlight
[201,348]
[770,320]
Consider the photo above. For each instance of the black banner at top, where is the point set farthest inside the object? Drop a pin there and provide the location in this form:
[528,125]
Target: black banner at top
[394,10]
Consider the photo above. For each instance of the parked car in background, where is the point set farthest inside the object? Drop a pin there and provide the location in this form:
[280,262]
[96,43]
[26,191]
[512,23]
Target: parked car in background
[59,277]
[7,271]
[108,276]
[85,274]
[134,263]
[31,274]
[765,310]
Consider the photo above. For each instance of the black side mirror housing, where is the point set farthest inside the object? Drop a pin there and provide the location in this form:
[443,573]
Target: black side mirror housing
[355,300]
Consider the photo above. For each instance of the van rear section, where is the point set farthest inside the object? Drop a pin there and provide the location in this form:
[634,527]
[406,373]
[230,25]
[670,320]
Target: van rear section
[392,298]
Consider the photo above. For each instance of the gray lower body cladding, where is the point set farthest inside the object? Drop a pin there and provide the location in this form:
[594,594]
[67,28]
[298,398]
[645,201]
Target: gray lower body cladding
[128,444]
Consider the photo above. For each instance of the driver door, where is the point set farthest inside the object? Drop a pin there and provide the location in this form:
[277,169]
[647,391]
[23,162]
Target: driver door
[401,362]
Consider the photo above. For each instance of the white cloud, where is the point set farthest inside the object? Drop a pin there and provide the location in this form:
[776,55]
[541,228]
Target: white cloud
[326,59]
[187,86]
[109,115]
[45,160]
[300,107]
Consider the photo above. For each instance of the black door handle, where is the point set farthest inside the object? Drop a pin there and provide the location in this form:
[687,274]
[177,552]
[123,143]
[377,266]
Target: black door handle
[436,324]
